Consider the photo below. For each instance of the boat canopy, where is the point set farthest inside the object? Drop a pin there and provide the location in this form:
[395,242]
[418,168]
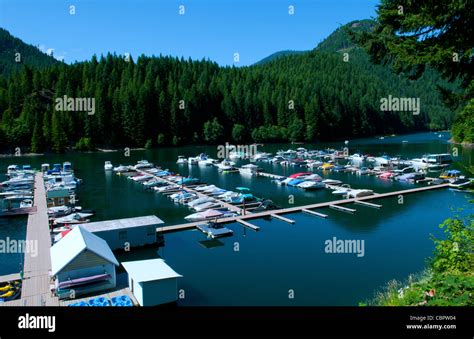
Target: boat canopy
[300,174]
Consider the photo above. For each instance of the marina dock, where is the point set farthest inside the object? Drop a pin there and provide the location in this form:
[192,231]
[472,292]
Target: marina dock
[10,277]
[306,208]
[36,270]
[36,289]
[189,189]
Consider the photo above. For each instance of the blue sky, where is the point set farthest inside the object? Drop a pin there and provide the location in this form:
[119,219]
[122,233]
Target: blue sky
[210,29]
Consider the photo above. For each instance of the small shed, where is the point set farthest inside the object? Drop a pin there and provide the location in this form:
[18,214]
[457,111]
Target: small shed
[129,232]
[58,197]
[82,263]
[152,281]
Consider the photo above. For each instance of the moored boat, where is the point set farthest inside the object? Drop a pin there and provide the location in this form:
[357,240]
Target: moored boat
[108,166]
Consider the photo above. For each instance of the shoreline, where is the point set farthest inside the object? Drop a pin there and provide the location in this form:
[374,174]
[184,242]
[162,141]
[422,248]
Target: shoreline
[464,144]
[108,150]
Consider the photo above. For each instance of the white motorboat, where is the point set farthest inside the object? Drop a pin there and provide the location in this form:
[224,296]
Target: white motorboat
[227,195]
[204,188]
[142,164]
[166,188]
[15,192]
[217,191]
[358,193]
[58,211]
[332,182]
[206,206]
[11,169]
[74,218]
[213,190]
[200,201]
[314,177]
[311,185]
[208,214]
[382,161]
[262,156]
[225,165]
[461,183]
[26,203]
[342,190]
[356,158]
[121,169]
[181,160]
[249,169]
[108,166]
[140,178]
[419,164]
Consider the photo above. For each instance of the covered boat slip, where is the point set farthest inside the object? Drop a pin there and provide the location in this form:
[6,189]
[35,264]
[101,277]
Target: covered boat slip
[133,232]
[82,263]
[152,281]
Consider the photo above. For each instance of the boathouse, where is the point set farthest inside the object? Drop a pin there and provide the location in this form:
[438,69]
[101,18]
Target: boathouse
[58,197]
[82,263]
[126,233]
[152,282]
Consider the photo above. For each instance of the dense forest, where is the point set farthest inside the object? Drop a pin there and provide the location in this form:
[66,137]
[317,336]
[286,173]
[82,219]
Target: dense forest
[14,54]
[315,95]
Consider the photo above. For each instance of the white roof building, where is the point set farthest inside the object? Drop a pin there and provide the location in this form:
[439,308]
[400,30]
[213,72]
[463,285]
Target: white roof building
[82,263]
[76,242]
[152,281]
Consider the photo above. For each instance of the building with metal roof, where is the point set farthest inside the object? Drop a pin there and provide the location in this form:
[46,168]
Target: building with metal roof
[126,233]
[152,281]
[82,263]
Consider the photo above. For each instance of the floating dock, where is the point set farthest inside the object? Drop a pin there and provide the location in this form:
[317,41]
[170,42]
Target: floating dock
[36,288]
[214,232]
[343,209]
[306,208]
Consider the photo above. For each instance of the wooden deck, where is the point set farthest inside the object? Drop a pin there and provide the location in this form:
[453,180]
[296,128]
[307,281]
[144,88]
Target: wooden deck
[188,226]
[108,295]
[9,277]
[37,266]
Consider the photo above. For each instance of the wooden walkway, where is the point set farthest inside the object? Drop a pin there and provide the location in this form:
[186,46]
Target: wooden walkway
[306,208]
[37,266]
[9,277]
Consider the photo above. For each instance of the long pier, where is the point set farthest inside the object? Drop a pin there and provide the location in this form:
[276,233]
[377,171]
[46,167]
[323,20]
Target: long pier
[35,289]
[306,208]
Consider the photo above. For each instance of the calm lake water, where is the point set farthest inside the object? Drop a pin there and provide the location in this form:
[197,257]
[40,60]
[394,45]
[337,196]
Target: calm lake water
[281,257]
